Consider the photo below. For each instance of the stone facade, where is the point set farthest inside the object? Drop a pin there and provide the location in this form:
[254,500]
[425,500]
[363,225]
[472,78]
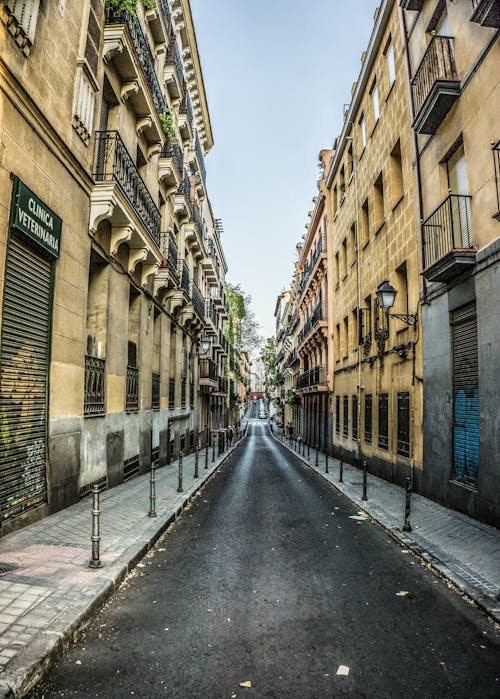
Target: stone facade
[104,119]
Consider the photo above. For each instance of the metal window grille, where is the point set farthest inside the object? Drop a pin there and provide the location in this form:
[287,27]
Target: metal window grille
[355,417]
[132,397]
[404,424]
[337,414]
[94,386]
[345,425]
[171,394]
[155,391]
[183,393]
[383,421]
[368,417]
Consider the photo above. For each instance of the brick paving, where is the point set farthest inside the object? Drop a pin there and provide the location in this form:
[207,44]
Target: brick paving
[465,551]
[46,586]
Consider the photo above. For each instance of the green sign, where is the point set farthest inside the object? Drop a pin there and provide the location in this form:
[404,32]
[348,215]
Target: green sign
[34,218]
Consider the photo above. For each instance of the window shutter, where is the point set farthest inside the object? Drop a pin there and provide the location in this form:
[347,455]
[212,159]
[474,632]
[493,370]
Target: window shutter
[25,12]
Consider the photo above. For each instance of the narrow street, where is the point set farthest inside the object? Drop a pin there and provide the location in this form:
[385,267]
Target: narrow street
[266,578]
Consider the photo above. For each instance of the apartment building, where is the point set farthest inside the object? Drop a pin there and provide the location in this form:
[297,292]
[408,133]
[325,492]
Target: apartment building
[313,385]
[454,58]
[111,268]
[282,314]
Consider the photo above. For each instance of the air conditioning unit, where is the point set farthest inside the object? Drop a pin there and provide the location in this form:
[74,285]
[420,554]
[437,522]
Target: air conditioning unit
[90,343]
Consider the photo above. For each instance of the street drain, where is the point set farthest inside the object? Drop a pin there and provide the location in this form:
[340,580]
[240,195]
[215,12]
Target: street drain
[7,568]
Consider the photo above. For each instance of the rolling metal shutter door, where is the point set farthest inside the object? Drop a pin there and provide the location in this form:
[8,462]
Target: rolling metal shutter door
[465,395]
[24,361]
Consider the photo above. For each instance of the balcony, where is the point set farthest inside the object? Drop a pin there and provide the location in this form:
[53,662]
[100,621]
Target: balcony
[435,86]
[182,197]
[167,276]
[155,391]
[197,300]
[171,165]
[317,320]
[171,394]
[126,45]
[185,118]
[184,277]
[315,378]
[212,318]
[194,232]
[411,4]
[174,73]
[114,168]
[93,404]
[447,240]
[486,13]
[208,373]
[210,263]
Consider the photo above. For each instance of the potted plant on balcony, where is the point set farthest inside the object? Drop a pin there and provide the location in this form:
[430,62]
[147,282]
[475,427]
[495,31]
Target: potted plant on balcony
[167,122]
[129,6]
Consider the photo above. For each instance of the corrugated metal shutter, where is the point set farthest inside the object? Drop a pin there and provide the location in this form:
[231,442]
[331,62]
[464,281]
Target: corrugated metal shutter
[24,360]
[465,395]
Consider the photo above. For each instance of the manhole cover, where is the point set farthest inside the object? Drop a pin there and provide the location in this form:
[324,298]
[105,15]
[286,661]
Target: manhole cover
[7,568]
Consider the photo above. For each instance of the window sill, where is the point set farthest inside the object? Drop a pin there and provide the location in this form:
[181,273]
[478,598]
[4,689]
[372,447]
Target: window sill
[397,202]
[380,227]
[374,127]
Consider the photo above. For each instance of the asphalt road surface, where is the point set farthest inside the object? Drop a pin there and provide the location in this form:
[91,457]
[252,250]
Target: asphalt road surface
[266,579]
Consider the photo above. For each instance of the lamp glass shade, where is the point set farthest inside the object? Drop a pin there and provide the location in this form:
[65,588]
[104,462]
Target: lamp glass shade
[205,344]
[386,295]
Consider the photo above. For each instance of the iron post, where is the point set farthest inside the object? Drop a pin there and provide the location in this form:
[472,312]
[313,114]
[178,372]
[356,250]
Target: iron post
[180,488]
[326,461]
[407,525]
[316,461]
[308,451]
[365,477]
[341,472]
[196,456]
[95,561]
[152,491]
[213,451]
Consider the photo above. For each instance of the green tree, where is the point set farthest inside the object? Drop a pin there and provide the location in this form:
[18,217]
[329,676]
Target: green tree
[268,356]
[251,339]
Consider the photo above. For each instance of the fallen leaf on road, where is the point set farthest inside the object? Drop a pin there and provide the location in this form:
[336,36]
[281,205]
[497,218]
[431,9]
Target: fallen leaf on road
[343,670]
[246,684]
[161,549]
[359,518]
[233,696]
[403,593]
[141,565]
[78,662]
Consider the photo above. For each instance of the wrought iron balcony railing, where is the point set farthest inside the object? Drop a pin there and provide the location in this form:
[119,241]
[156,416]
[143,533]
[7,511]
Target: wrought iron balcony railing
[173,58]
[201,159]
[132,389]
[197,218]
[171,394]
[143,52]
[317,315]
[486,13]
[448,228]
[184,275]
[313,377]
[185,106]
[94,386]
[166,10]
[170,253]
[172,150]
[112,163]
[197,300]
[436,76]
[211,312]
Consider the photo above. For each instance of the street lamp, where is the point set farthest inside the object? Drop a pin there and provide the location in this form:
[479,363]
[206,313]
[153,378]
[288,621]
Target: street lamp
[203,344]
[386,295]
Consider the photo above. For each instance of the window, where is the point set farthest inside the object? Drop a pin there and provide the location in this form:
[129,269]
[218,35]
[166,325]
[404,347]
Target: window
[396,175]
[337,342]
[344,258]
[375,104]
[342,184]
[355,417]
[401,303]
[378,204]
[337,268]
[345,425]
[383,421]
[354,329]
[404,424]
[335,200]
[364,223]
[350,163]
[345,348]
[368,417]
[367,319]
[362,131]
[389,62]
[337,414]
[21,22]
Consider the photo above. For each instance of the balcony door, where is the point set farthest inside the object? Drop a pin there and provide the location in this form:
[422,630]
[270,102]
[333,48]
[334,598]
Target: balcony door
[458,184]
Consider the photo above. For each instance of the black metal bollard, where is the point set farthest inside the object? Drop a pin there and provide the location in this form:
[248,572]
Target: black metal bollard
[326,461]
[341,472]
[317,449]
[152,492]
[407,525]
[180,488]
[206,455]
[95,561]
[365,476]
[213,451]
[196,457]
[308,451]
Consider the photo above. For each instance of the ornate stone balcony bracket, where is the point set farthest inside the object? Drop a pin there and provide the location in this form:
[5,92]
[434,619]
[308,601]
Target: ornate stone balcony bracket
[154,149]
[128,89]
[143,123]
[119,235]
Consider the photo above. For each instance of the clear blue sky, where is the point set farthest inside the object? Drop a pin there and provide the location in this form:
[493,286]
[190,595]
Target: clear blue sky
[277,73]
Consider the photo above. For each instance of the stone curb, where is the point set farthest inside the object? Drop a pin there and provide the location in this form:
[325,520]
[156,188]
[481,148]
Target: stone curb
[487,604]
[40,654]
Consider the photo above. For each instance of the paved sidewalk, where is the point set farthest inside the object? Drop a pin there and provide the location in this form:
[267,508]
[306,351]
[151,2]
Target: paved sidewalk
[51,589]
[460,548]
